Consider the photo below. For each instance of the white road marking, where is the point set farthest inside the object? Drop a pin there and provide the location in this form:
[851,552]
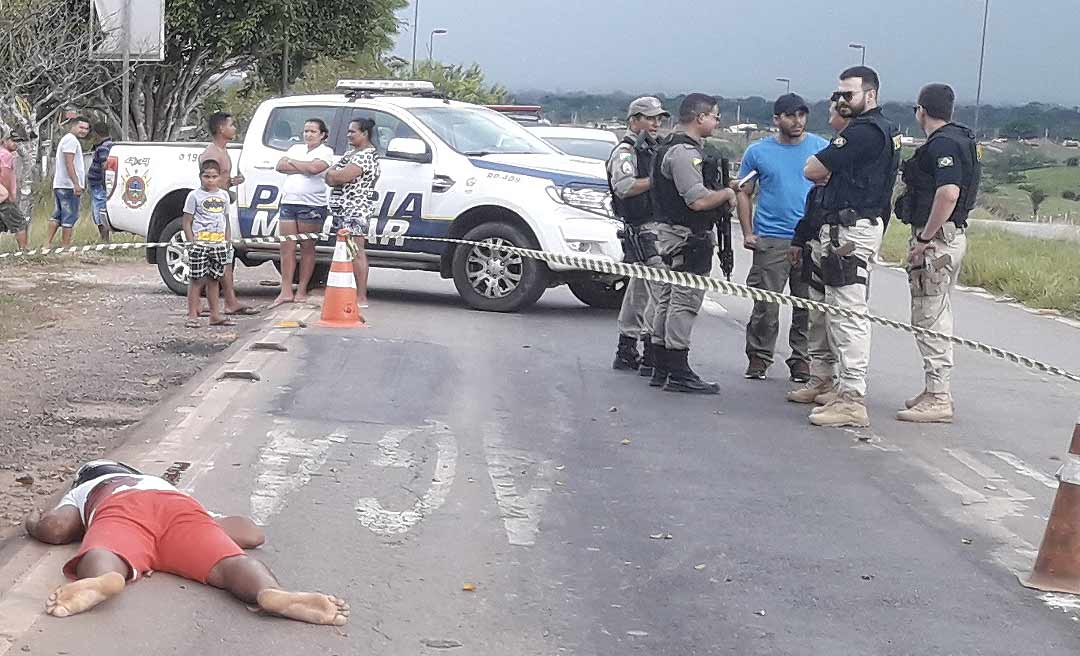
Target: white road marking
[1024,469]
[520,513]
[380,521]
[984,514]
[277,479]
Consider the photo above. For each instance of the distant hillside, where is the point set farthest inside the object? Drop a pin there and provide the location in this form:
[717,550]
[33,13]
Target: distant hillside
[1026,121]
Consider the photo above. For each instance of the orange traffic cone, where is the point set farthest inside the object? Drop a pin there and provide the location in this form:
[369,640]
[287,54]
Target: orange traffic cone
[339,308]
[1057,567]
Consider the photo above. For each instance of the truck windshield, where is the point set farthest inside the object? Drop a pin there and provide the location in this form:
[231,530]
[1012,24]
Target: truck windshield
[477,132]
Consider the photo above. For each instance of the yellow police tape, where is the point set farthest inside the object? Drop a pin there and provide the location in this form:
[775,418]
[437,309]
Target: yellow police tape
[606,266]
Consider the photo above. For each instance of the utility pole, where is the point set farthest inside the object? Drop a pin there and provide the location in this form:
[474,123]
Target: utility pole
[125,83]
[982,59]
[415,32]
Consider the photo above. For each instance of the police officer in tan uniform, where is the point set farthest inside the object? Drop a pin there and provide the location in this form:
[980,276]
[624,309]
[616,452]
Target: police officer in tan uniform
[941,182]
[686,213]
[628,170]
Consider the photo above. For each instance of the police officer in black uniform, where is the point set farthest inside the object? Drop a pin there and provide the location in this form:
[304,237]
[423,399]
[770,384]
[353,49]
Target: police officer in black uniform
[686,211]
[628,169]
[941,182]
[860,168]
[806,252]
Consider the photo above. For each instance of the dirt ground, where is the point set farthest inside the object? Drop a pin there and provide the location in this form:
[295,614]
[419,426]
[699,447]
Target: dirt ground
[87,347]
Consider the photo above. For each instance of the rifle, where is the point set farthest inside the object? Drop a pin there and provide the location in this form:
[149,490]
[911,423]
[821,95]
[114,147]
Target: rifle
[717,175]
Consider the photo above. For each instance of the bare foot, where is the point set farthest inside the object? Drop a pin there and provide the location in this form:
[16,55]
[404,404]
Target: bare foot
[302,298]
[82,595]
[310,607]
[281,300]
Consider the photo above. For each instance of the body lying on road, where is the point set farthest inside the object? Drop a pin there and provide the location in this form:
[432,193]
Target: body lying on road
[132,524]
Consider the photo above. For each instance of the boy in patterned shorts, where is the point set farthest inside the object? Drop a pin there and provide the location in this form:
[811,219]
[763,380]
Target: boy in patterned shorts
[206,227]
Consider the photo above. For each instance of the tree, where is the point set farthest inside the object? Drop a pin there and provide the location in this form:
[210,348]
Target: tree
[466,84]
[209,42]
[45,67]
[462,83]
[1037,196]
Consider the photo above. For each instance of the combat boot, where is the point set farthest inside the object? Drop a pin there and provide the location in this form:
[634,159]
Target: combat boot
[911,403]
[683,379]
[849,409]
[645,370]
[826,398]
[626,356]
[660,366]
[809,392]
[933,408]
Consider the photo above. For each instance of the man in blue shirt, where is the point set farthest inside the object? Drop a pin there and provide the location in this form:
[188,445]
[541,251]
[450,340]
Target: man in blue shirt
[95,180]
[769,228]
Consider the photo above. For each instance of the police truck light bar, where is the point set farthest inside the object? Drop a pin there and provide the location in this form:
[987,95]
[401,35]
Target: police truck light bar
[384,86]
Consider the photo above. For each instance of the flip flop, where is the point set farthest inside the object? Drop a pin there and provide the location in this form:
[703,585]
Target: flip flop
[192,323]
[223,322]
[278,303]
[244,310]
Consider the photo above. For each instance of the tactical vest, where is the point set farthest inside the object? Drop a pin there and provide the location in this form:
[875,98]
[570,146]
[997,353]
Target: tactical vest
[668,203]
[866,188]
[915,205]
[635,210]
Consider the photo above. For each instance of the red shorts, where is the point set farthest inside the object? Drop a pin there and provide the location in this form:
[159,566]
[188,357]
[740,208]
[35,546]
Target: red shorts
[154,530]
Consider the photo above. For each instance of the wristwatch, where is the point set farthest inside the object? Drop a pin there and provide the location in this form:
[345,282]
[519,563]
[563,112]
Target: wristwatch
[919,239]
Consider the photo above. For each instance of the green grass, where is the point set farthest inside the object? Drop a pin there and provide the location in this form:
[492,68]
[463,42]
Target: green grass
[1040,273]
[1011,200]
[85,233]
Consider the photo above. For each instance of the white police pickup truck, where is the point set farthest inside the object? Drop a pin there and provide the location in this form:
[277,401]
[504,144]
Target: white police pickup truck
[449,169]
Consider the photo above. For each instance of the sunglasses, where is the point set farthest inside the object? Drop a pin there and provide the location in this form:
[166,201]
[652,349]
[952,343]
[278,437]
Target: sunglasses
[846,95]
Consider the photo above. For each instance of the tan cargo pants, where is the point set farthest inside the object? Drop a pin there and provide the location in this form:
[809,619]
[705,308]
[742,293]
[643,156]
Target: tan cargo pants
[931,303]
[850,337]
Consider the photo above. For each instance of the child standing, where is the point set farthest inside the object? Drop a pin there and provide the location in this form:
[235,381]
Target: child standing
[206,227]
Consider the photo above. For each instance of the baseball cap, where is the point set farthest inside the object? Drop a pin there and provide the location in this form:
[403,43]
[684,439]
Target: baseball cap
[15,134]
[789,103]
[646,106]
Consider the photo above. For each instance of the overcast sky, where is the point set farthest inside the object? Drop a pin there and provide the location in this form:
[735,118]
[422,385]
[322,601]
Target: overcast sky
[738,48]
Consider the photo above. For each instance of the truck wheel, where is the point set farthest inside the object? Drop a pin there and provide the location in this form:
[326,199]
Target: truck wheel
[171,263]
[318,277]
[606,294]
[495,280]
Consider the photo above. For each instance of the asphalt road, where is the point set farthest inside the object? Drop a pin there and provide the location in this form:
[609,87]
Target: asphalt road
[442,447]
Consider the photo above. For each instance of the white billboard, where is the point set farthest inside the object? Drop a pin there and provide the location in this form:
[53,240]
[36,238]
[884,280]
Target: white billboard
[147,21]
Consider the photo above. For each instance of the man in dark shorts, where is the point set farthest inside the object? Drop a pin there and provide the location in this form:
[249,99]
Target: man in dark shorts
[132,524]
[11,217]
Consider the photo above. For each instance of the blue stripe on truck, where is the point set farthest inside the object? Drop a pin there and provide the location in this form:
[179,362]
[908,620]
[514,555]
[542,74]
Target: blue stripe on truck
[556,177]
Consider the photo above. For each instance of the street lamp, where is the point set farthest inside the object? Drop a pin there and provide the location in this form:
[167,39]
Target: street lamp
[415,31]
[982,58]
[431,41]
[786,81]
[859,46]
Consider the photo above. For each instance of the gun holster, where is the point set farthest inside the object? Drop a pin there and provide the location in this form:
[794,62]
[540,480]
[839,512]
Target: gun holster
[695,256]
[841,266]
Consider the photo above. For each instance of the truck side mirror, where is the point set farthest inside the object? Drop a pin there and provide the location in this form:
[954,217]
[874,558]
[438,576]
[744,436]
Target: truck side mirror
[411,150]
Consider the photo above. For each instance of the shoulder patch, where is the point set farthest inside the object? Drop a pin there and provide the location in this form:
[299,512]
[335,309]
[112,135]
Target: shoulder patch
[627,168]
[896,143]
[944,162]
[697,161]
[839,142]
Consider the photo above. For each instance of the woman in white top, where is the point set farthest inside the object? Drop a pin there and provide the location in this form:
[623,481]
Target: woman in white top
[303,206]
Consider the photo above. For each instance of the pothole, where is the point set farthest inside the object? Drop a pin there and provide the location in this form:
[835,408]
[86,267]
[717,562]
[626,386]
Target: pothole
[100,415]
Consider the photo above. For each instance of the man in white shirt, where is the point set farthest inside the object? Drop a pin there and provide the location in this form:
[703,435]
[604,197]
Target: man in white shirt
[303,206]
[132,524]
[69,180]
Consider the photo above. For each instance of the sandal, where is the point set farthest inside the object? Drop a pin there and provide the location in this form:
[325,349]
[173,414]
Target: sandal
[223,322]
[244,310]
